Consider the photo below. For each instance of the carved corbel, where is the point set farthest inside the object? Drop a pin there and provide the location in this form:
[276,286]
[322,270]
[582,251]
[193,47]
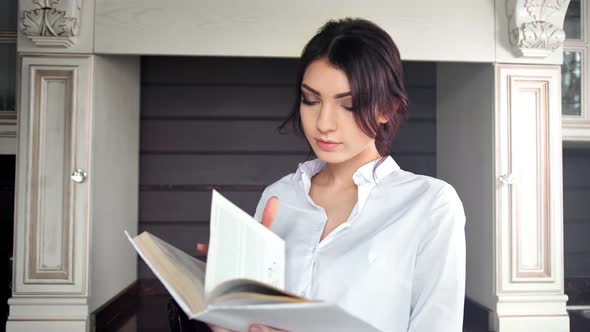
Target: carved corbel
[51,23]
[536,26]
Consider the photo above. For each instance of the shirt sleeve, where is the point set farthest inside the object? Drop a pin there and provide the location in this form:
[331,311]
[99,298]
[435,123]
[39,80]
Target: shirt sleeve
[438,288]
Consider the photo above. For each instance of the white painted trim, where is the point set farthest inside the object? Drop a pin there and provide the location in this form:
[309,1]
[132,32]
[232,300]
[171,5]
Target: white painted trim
[48,309]
[76,43]
[423,30]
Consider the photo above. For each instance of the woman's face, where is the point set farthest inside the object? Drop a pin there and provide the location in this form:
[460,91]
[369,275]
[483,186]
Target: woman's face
[326,115]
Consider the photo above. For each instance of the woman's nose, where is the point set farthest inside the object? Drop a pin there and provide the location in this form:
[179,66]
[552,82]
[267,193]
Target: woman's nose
[326,120]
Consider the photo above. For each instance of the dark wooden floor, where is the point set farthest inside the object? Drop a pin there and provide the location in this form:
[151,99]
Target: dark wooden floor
[148,301]
[151,316]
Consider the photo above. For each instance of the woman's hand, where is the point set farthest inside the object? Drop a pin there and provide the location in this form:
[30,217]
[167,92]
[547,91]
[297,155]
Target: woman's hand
[268,216]
[252,328]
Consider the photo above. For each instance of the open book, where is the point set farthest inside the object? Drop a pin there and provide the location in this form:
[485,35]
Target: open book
[243,280]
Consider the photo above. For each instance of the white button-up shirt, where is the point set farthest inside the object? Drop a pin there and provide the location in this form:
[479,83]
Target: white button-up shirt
[398,261]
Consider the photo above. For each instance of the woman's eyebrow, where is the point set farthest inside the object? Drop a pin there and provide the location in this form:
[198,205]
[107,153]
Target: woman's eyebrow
[315,92]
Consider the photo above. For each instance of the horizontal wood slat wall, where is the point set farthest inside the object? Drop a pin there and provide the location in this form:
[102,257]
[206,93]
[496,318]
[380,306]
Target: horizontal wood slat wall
[211,123]
[576,212]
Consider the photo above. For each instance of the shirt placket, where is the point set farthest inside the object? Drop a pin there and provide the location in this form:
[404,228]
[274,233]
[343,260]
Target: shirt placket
[310,286]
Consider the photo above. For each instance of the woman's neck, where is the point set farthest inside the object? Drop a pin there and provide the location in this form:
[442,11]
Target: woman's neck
[338,176]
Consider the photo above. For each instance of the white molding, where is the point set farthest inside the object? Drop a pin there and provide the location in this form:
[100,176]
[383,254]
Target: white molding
[572,134]
[53,23]
[48,309]
[55,26]
[536,27]
[423,30]
[47,326]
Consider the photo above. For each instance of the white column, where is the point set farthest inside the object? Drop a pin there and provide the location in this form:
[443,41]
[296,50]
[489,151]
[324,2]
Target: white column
[77,170]
[528,201]
[499,144]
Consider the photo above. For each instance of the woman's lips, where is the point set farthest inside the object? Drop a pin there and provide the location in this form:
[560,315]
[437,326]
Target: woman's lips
[326,145]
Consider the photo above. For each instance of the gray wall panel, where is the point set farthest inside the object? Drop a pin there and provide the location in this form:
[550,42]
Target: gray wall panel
[211,123]
[188,206]
[576,205]
[252,136]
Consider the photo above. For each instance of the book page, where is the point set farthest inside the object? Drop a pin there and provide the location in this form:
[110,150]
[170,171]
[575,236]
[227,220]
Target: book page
[294,317]
[181,274]
[248,290]
[239,298]
[242,248]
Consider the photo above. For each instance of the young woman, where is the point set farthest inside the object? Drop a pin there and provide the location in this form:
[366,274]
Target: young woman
[385,244]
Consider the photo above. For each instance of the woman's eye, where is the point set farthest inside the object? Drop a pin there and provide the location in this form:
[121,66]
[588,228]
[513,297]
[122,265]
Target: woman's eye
[348,108]
[308,102]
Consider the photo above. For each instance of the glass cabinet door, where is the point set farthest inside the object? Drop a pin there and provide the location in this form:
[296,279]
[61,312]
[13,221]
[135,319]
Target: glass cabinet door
[573,21]
[575,71]
[7,78]
[7,59]
[571,82]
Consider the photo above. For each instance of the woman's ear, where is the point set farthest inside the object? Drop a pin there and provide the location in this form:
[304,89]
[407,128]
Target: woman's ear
[383,117]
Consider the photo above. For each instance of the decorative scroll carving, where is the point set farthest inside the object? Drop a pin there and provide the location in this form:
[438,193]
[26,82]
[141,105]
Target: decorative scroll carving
[53,23]
[537,37]
[536,26]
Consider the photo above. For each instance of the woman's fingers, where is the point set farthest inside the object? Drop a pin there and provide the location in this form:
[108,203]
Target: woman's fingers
[203,248]
[216,328]
[252,328]
[262,328]
[270,211]
[268,216]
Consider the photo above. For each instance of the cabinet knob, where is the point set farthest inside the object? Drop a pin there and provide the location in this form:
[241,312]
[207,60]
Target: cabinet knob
[79,175]
[507,178]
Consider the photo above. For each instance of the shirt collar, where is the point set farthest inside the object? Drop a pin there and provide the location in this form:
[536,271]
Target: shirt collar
[364,175]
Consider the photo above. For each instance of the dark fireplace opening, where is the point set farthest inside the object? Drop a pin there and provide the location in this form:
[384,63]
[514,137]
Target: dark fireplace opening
[7,177]
[211,123]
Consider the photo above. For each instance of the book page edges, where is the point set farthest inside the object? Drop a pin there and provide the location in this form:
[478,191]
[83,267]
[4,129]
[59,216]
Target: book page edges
[226,286]
[308,317]
[246,298]
[173,292]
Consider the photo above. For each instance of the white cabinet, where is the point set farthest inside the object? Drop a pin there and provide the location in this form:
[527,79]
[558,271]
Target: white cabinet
[500,146]
[54,142]
[76,188]
[528,200]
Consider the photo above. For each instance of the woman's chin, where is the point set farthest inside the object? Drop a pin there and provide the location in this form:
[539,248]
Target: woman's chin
[331,157]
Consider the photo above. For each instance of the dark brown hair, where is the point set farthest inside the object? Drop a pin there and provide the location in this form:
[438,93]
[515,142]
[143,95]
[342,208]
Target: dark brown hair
[372,63]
